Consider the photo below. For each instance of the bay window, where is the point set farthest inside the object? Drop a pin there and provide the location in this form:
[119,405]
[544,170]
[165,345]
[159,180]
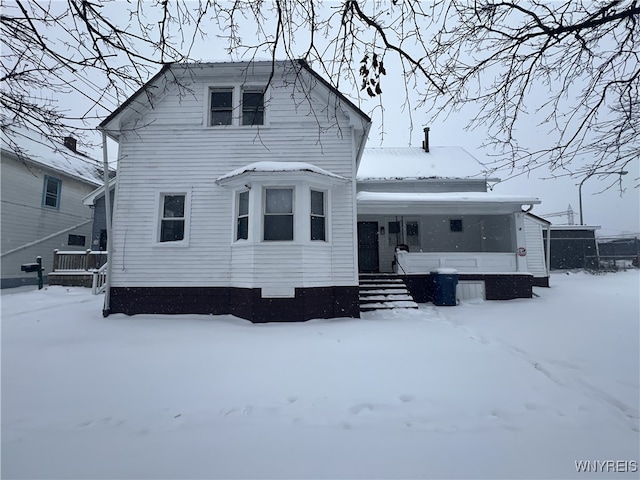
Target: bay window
[278,214]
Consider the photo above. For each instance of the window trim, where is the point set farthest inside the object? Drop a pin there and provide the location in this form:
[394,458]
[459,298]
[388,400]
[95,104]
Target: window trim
[159,217]
[238,216]
[248,89]
[58,192]
[210,110]
[292,188]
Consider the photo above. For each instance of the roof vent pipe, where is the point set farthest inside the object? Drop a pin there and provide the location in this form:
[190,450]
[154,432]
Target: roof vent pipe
[71,143]
[425,142]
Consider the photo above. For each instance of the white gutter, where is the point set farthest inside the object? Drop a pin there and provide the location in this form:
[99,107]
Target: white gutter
[107,206]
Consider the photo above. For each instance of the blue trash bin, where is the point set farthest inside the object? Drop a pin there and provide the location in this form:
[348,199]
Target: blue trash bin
[444,282]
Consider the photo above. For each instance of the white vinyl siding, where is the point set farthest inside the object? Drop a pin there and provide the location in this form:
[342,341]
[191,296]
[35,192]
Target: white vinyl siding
[177,128]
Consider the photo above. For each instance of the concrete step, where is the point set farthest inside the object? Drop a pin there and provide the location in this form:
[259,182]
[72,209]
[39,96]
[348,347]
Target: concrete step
[384,292]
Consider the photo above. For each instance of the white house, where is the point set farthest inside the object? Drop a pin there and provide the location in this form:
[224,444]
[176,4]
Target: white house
[42,210]
[236,194]
[246,188]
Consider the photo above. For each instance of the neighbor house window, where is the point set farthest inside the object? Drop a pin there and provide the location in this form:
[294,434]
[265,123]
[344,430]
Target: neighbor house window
[77,240]
[221,106]
[242,229]
[51,194]
[278,214]
[318,217]
[172,219]
[455,225]
[252,107]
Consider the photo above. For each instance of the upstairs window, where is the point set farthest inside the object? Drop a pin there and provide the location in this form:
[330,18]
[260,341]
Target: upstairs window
[242,228]
[252,107]
[221,106]
[278,214]
[318,217]
[51,193]
[172,218]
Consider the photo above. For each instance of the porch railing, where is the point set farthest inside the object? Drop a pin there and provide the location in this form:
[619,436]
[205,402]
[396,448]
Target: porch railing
[99,280]
[74,260]
[471,262]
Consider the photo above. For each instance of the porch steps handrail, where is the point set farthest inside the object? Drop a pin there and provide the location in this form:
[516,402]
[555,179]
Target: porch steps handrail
[99,283]
[44,239]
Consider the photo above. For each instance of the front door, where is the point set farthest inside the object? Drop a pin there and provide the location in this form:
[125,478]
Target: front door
[368,247]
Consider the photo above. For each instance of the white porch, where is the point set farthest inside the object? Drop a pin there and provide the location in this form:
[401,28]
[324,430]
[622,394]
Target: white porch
[475,233]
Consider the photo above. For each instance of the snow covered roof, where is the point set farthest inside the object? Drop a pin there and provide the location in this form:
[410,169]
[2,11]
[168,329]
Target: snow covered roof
[90,199]
[112,131]
[413,163]
[443,198]
[575,227]
[37,149]
[271,167]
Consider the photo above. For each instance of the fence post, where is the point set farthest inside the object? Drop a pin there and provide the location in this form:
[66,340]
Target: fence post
[87,258]
[56,260]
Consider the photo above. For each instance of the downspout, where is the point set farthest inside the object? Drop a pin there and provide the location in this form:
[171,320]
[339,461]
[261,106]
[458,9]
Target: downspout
[107,206]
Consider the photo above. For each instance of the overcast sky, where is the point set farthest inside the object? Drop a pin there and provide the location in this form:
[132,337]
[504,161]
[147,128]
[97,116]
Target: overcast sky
[616,213]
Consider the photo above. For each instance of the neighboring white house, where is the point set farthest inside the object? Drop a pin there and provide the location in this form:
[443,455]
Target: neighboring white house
[434,203]
[236,194]
[42,210]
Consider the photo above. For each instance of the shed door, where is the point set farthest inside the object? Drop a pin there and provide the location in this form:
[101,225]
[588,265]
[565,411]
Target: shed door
[368,247]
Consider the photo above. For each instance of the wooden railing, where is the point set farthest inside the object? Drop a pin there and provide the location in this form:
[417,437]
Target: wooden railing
[481,262]
[99,284]
[87,261]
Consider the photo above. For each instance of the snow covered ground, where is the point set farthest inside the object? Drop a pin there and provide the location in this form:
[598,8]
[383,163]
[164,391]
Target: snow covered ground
[514,389]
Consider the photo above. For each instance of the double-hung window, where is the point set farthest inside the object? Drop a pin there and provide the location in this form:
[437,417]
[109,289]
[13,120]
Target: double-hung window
[318,216]
[221,104]
[252,107]
[242,228]
[51,193]
[278,214]
[172,219]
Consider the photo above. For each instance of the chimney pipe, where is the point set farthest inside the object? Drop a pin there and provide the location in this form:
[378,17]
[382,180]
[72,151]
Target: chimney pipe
[425,142]
[71,143]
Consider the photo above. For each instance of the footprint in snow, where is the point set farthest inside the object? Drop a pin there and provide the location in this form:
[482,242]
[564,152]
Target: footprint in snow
[405,397]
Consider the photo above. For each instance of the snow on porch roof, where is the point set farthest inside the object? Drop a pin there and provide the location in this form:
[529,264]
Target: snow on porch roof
[458,198]
[413,163]
[272,167]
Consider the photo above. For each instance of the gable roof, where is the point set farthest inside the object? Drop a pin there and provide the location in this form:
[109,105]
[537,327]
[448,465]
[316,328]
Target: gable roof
[37,149]
[151,84]
[413,163]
